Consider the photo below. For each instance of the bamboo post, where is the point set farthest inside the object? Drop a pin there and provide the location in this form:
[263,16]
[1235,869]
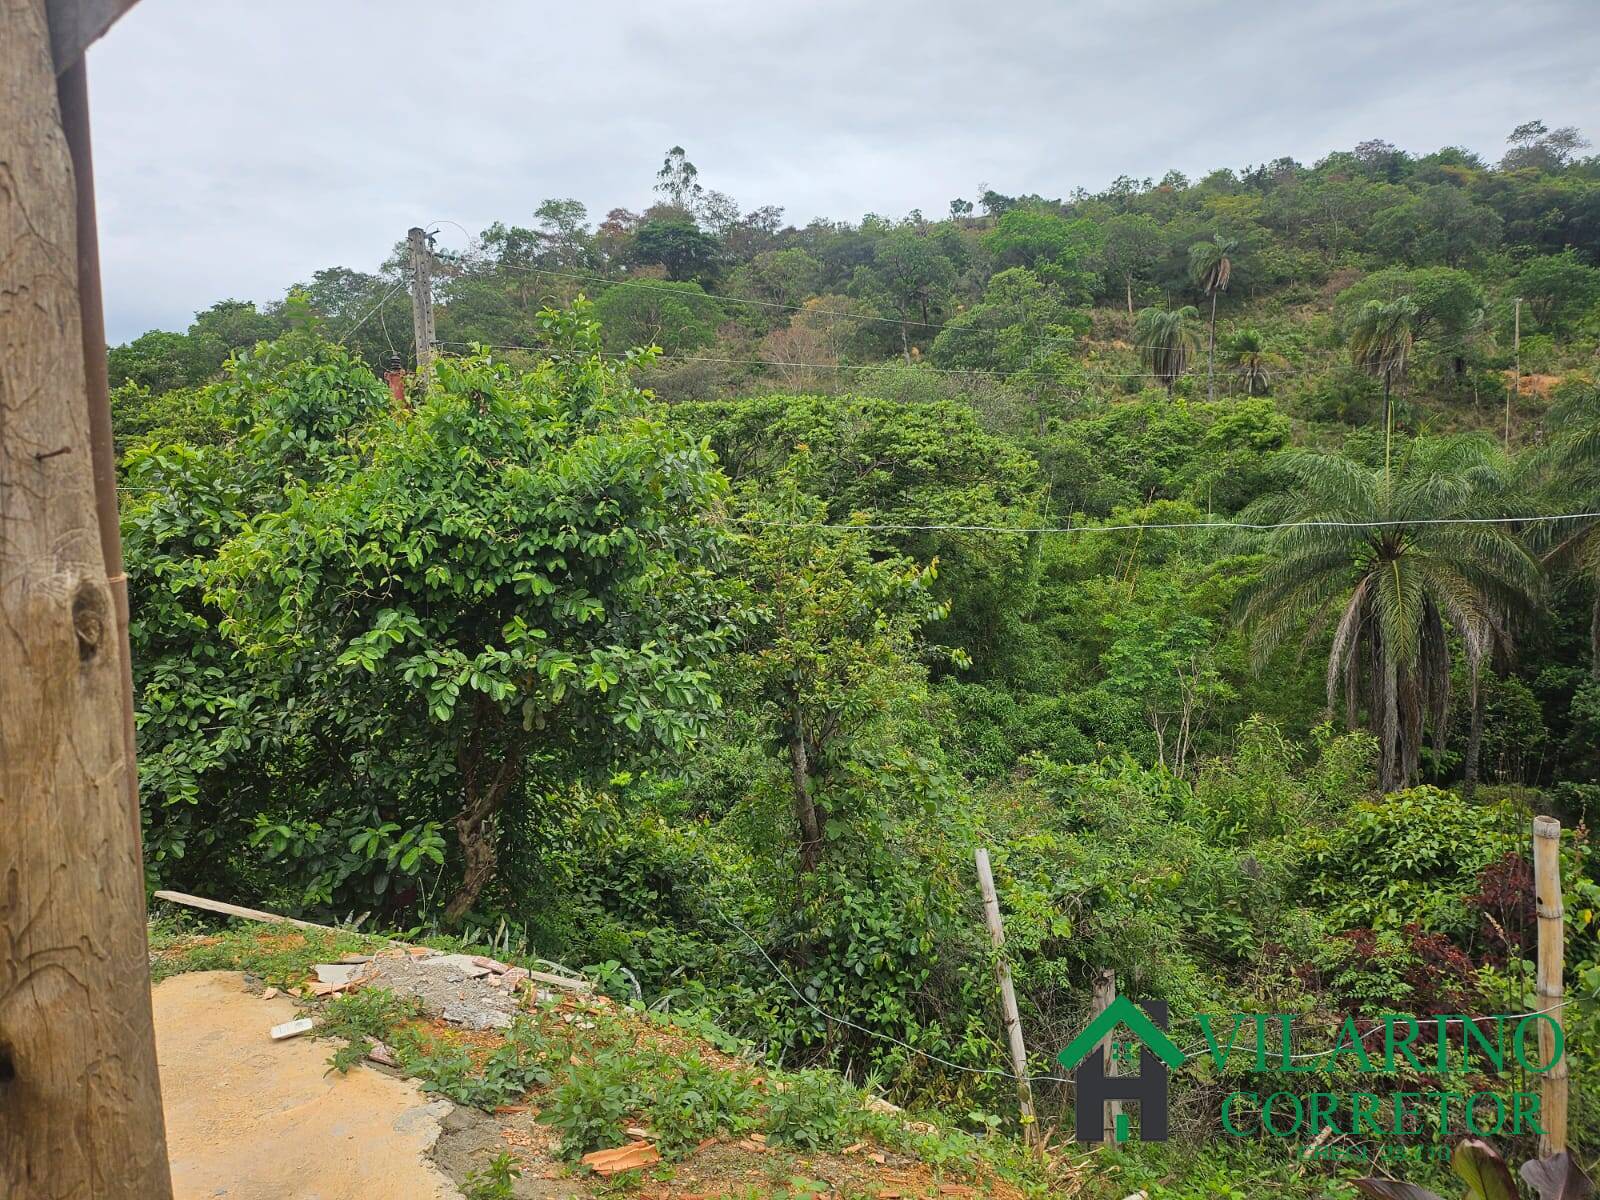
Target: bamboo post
[1008,998]
[1547,891]
[1105,991]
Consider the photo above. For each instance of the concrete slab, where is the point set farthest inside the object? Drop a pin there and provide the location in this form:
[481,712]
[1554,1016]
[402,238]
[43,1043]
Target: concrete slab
[253,1119]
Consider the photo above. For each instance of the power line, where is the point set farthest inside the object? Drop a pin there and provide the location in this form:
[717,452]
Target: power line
[1033,530]
[1004,1074]
[665,286]
[842,367]
[381,302]
[1243,526]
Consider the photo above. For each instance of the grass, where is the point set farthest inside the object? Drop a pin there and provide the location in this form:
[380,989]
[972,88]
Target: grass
[282,956]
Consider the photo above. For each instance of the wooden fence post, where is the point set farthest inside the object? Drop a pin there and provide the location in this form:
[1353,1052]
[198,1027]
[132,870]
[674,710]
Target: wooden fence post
[80,1102]
[1008,998]
[1105,991]
[1552,932]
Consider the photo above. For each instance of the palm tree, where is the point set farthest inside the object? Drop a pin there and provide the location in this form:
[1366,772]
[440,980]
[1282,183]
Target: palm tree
[1380,344]
[1568,468]
[1247,355]
[1384,558]
[1211,268]
[1166,341]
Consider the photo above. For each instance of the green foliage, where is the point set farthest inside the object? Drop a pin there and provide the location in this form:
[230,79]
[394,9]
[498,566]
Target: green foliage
[695,1101]
[361,1018]
[1412,857]
[1167,340]
[518,1065]
[718,696]
[677,317]
[677,244]
[495,1181]
[1559,288]
[1381,551]
[591,1105]
[517,556]
[810,1111]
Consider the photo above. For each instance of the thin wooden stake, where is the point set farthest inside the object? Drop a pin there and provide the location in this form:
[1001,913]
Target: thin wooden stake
[1105,991]
[1552,933]
[1008,998]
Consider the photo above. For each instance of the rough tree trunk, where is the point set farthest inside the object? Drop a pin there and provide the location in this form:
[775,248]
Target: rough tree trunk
[805,807]
[1469,773]
[1389,750]
[80,1102]
[1211,351]
[475,829]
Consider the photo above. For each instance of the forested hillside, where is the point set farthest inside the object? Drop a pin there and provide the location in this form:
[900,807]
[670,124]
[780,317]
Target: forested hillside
[1221,554]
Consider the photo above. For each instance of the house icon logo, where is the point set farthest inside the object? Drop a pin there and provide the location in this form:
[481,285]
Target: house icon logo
[1092,1057]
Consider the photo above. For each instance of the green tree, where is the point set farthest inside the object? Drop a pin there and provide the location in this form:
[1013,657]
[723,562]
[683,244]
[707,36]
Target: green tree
[1056,249]
[779,279]
[1442,225]
[899,464]
[1019,320]
[1210,267]
[1132,249]
[1534,144]
[224,738]
[1558,289]
[1247,354]
[677,317]
[1380,344]
[1393,560]
[676,243]
[678,180]
[910,277]
[833,640]
[1568,469]
[1166,339]
[512,589]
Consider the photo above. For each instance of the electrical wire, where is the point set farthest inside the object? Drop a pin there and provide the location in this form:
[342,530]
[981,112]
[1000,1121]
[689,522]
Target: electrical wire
[1004,1074]
[1037,530]
[384,299]
[665,286]
[1245,526]
[842,367]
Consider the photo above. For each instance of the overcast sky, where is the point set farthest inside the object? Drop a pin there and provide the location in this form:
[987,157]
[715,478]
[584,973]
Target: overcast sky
[242,144]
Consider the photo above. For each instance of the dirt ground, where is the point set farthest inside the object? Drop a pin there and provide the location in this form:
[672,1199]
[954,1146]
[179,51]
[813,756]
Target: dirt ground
[253,1119]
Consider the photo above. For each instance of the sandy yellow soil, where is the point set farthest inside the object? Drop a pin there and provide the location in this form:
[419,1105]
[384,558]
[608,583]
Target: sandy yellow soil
[253,1119]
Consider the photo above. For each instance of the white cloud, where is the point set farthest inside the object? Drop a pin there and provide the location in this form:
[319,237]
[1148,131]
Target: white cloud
[240,146]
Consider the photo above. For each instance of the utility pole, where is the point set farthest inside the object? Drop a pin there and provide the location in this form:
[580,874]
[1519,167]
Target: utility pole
[422,302]
[1516,387]
[80,1099]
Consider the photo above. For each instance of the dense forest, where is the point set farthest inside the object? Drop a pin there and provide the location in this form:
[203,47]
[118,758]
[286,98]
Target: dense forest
[1222,554]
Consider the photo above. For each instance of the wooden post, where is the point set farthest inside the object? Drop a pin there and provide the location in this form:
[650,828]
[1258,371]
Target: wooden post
[1105,991]
[421,302]
[1552,930]
[80,1102]
[1008,998]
